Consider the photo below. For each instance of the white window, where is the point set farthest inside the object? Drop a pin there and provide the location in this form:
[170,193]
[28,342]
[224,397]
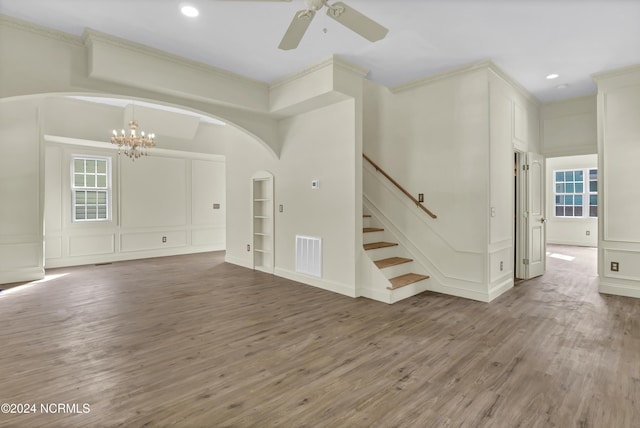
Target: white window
[576,193]
[90,188]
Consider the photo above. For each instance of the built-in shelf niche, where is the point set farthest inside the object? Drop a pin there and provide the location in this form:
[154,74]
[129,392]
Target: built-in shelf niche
[263,257]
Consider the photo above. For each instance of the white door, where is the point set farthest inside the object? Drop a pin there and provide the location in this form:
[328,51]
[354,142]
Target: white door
[536,247]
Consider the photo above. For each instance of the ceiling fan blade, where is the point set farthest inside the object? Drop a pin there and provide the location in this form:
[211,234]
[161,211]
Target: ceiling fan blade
[296,30]
[355,21]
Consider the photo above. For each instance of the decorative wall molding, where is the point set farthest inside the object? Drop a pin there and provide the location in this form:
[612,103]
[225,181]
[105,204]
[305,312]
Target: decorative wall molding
[612,74]
[333,60]
[513,83]
[486,64]
[90,36]
[156,151]
[480,65]
[41,31]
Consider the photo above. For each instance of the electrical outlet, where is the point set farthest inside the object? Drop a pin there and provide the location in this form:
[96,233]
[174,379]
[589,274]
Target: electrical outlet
[588,233]
[281,208]
[216,206]
[248,247]
[501,266]
[420,197]
[615,267]
[164,239]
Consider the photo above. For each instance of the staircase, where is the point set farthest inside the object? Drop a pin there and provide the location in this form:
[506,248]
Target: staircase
[398,279]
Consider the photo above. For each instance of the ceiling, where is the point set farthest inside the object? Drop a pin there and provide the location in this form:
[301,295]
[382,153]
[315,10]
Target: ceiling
[528,39]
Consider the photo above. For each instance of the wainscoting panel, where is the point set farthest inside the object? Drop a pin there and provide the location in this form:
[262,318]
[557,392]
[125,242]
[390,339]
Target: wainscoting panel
[91,245]
[152,240]
[19,255]
[213,236]
[53,247]
[628,264]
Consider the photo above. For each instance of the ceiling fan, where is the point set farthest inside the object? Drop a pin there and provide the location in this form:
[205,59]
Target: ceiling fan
[344,14]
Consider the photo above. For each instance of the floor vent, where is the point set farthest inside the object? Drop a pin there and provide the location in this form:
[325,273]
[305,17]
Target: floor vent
[309,255]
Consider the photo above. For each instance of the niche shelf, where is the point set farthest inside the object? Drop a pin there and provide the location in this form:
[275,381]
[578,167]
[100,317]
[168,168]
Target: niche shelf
[262,203]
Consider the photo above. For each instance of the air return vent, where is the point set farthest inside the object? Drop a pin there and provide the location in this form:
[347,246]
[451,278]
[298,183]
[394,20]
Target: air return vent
[309,255]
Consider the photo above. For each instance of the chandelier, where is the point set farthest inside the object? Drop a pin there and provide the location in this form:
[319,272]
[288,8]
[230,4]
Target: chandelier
[133,145]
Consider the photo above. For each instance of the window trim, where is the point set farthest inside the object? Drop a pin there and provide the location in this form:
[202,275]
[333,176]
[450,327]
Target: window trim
[107,189]
[585,194]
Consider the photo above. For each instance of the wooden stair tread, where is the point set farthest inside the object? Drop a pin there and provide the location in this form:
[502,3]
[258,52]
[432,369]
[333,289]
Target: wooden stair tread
[374,245]
[371,229]
[391,261]
[404,280]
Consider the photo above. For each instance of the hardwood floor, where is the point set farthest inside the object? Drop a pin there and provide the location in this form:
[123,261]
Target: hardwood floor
[190,341]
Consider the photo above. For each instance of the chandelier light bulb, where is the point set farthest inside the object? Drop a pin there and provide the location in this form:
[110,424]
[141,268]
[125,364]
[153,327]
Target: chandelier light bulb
[135,144]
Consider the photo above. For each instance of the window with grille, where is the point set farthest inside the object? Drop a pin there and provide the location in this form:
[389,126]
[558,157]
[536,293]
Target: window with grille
[576,193]
[90,188]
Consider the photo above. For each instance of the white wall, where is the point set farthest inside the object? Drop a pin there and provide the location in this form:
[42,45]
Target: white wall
[323,143]
[316,145]
[619,184]
[167,194]
[569,127]
[452,137]
[564,230]
[433,139]
[514,127]
[21,249]
[569,140]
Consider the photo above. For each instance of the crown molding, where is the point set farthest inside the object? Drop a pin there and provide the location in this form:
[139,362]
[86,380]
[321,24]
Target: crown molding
[486,64]
[603,75]
[349,66]
[333,60]
[515,84]
[39,30]
[90,35]
[480,65]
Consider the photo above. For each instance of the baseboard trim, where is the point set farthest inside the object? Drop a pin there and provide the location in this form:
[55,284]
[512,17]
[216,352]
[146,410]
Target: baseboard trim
[619,290]
[459,292]
[333,286]
[21,275]
[574,244]
[378,296]
[130,255]
[500,289]
[238,261]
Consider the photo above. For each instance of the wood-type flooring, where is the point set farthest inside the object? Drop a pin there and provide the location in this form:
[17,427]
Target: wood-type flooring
[191,341]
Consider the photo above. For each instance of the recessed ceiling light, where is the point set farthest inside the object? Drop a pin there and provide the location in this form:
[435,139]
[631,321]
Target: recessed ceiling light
[563,86]
[553,76]
[189,10]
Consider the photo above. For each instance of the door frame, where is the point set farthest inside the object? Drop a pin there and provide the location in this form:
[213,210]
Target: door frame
[522,224]
[519,206]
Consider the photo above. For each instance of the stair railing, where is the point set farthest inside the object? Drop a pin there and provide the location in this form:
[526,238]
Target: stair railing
[402,189]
